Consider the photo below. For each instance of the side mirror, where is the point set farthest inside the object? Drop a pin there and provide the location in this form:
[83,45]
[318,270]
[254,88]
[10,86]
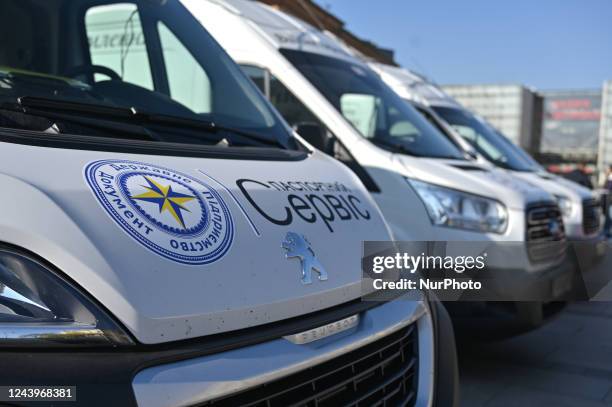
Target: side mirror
[315,135]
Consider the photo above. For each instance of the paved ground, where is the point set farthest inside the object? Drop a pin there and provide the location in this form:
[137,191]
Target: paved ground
[567,362]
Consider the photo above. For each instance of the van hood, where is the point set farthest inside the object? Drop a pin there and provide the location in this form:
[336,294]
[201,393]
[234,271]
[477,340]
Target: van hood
[557,185]
[179,247]
[474,178]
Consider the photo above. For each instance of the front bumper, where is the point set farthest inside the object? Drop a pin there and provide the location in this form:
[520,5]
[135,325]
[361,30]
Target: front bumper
[552,284]
[518,302]
[589,247]
[196,371]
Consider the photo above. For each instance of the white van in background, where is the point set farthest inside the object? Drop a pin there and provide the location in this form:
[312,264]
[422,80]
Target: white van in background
[425,185]
[580,206]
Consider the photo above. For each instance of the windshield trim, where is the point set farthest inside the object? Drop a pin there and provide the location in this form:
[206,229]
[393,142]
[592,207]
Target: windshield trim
[70,110]
[158,148]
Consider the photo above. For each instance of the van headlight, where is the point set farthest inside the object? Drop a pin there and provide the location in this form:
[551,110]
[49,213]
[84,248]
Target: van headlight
[38,307]
[565,204]
[457,209]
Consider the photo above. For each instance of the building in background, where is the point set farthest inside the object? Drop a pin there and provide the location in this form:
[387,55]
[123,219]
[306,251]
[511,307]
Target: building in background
[571,125]
[558,128]
[514,110]
[604,156]
[313,14]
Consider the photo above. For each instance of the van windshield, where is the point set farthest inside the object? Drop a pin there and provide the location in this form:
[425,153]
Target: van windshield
[492,145]
[373,109]
[68,64]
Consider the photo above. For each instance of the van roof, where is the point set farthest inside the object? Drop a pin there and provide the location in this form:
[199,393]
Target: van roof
[410,85]
[286,31]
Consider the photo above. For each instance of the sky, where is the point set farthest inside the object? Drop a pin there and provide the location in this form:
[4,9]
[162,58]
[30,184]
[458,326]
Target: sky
[547,44]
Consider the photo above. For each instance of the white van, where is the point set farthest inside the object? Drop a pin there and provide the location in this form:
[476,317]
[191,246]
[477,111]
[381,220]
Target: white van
[425,186]
[580,206]
[150,253]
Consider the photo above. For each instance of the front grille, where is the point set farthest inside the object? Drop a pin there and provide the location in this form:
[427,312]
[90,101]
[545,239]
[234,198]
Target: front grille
[382,373]
[545,233]
[591,216]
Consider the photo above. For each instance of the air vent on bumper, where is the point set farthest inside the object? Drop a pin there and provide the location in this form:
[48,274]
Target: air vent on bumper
[381,373]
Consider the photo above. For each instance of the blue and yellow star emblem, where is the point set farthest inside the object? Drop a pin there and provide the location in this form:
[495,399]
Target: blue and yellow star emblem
[166,199]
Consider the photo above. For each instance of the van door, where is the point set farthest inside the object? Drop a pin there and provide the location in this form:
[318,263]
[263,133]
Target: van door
[296,114]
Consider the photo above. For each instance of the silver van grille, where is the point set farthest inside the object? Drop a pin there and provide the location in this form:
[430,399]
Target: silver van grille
[546,239]
[382,373]
[591,216]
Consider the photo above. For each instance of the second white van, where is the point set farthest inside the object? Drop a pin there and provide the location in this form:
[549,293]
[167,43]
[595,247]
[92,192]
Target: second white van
[427,188]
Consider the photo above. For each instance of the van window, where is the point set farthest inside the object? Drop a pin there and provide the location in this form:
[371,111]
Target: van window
[487,142]
[363,111]
[188,82]
[87,65]
[259,76]
[366,115]
[371,107]
[289,106]
[475,139]
[116,41]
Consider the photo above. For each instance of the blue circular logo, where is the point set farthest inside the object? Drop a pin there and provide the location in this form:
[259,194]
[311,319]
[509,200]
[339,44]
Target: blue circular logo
[173,214]
[555,228]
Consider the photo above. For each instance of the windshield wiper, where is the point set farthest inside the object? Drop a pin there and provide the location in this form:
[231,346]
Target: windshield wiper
[399,147]
[450,157]
[63,123]
[210,126]
[395,146]
[135,116]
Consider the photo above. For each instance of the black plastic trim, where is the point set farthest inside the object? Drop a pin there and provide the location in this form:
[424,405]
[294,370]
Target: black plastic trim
[446,373]
[108,144]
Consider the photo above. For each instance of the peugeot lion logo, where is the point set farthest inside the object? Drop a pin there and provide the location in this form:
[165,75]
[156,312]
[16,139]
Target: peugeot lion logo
[297,246]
